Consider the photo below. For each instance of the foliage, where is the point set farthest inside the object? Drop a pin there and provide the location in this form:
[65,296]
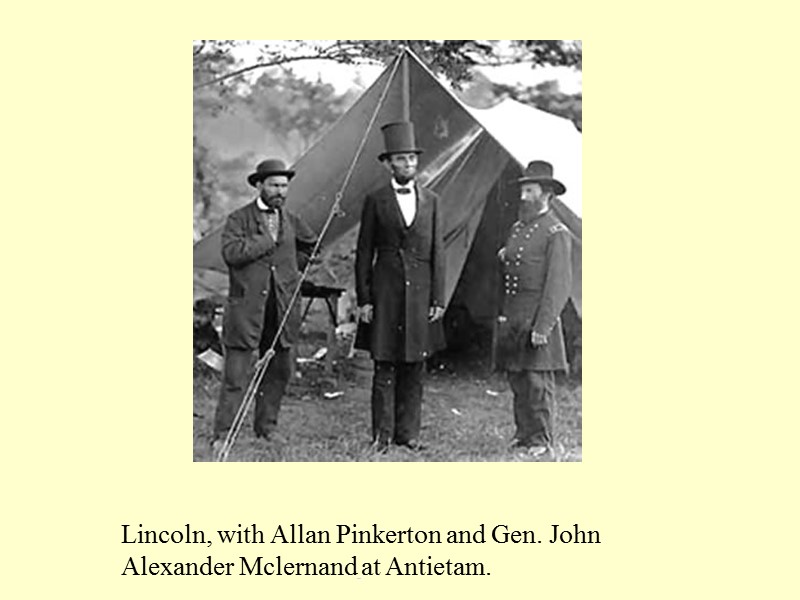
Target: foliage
[548,97]
[483,93]
[205,188]
[568,53]
[288,112]
[214,61]
[296,110]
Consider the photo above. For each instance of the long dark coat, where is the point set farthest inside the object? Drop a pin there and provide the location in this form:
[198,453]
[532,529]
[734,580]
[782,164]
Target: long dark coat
[400,271]
[537,278]
[258,266]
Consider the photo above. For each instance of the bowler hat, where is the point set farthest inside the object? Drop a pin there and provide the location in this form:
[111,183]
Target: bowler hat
[539,171]
[266,168]
[398,138]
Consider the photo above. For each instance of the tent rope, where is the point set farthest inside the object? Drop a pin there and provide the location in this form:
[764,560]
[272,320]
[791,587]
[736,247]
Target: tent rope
[263,362]
[556,430]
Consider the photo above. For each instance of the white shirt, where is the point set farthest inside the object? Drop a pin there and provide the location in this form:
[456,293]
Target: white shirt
[273,218]
[407,202]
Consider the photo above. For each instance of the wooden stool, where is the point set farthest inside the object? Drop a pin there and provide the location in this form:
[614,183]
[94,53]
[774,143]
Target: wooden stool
[331,297]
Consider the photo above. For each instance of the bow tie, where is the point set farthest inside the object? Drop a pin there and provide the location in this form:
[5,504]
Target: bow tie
[270,211]
[402,190]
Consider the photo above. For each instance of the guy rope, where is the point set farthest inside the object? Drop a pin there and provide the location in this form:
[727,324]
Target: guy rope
[263,362]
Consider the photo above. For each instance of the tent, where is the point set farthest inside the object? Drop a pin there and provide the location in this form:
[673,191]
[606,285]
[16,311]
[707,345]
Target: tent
[471,158]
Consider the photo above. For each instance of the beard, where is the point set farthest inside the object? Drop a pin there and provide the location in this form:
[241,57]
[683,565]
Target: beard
[529,210]
[403,179]
[275,201]
[403,176]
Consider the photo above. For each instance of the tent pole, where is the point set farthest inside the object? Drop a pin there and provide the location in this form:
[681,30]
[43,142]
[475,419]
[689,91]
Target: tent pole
[406,88]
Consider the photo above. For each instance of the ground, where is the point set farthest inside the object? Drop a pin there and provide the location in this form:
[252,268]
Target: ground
[466,414]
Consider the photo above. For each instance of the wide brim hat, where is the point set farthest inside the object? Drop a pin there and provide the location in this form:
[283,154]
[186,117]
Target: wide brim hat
[398,138]
[267,168]
[539,171]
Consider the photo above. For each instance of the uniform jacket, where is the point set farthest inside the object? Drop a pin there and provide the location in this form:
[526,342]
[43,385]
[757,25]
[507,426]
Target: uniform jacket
[258,266]
[537,278]
[400,271]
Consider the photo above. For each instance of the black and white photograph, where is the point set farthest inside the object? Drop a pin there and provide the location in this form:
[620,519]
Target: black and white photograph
[387,257]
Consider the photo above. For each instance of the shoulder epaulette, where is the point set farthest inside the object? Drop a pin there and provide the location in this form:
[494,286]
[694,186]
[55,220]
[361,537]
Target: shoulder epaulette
[558,227]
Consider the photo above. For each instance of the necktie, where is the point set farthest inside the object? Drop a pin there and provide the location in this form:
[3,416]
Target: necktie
[402,190]
[272,219]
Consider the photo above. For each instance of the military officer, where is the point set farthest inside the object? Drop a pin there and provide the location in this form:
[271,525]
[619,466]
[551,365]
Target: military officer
[265,246]
[400,289]
[536,269]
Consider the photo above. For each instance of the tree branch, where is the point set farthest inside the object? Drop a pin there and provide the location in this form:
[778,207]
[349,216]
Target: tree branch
[452,57]
[262,65]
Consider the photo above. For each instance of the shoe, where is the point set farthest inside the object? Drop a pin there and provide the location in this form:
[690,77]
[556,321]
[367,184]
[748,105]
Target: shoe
[216,447]
[536,451]
[413,445]
[380,446]
[264,434]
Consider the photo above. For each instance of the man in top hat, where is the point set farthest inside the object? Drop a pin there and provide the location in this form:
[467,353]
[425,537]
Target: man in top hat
[400,289]
[537,276]
[265,246]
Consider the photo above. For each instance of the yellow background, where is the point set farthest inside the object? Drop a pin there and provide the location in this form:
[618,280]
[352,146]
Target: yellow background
[689,459]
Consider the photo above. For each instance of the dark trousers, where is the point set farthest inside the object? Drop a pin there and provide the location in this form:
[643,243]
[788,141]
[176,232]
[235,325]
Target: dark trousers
[396,402]
[238,370]
[239,365]
[534,393]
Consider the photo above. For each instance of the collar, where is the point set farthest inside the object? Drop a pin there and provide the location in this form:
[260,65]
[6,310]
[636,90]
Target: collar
[263,207]
[535,217]
[543,213]
[397,186]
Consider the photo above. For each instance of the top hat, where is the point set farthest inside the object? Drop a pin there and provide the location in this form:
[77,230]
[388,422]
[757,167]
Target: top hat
[539,171]
[398,138]
[266,168]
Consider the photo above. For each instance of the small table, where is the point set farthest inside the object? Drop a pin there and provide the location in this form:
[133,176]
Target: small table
[330,295]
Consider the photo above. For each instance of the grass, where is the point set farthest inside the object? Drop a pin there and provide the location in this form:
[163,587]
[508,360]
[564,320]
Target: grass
[466,416]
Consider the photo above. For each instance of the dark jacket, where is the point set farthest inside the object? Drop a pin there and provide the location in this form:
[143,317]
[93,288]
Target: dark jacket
[400,271]
[537,278]
[258,266]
